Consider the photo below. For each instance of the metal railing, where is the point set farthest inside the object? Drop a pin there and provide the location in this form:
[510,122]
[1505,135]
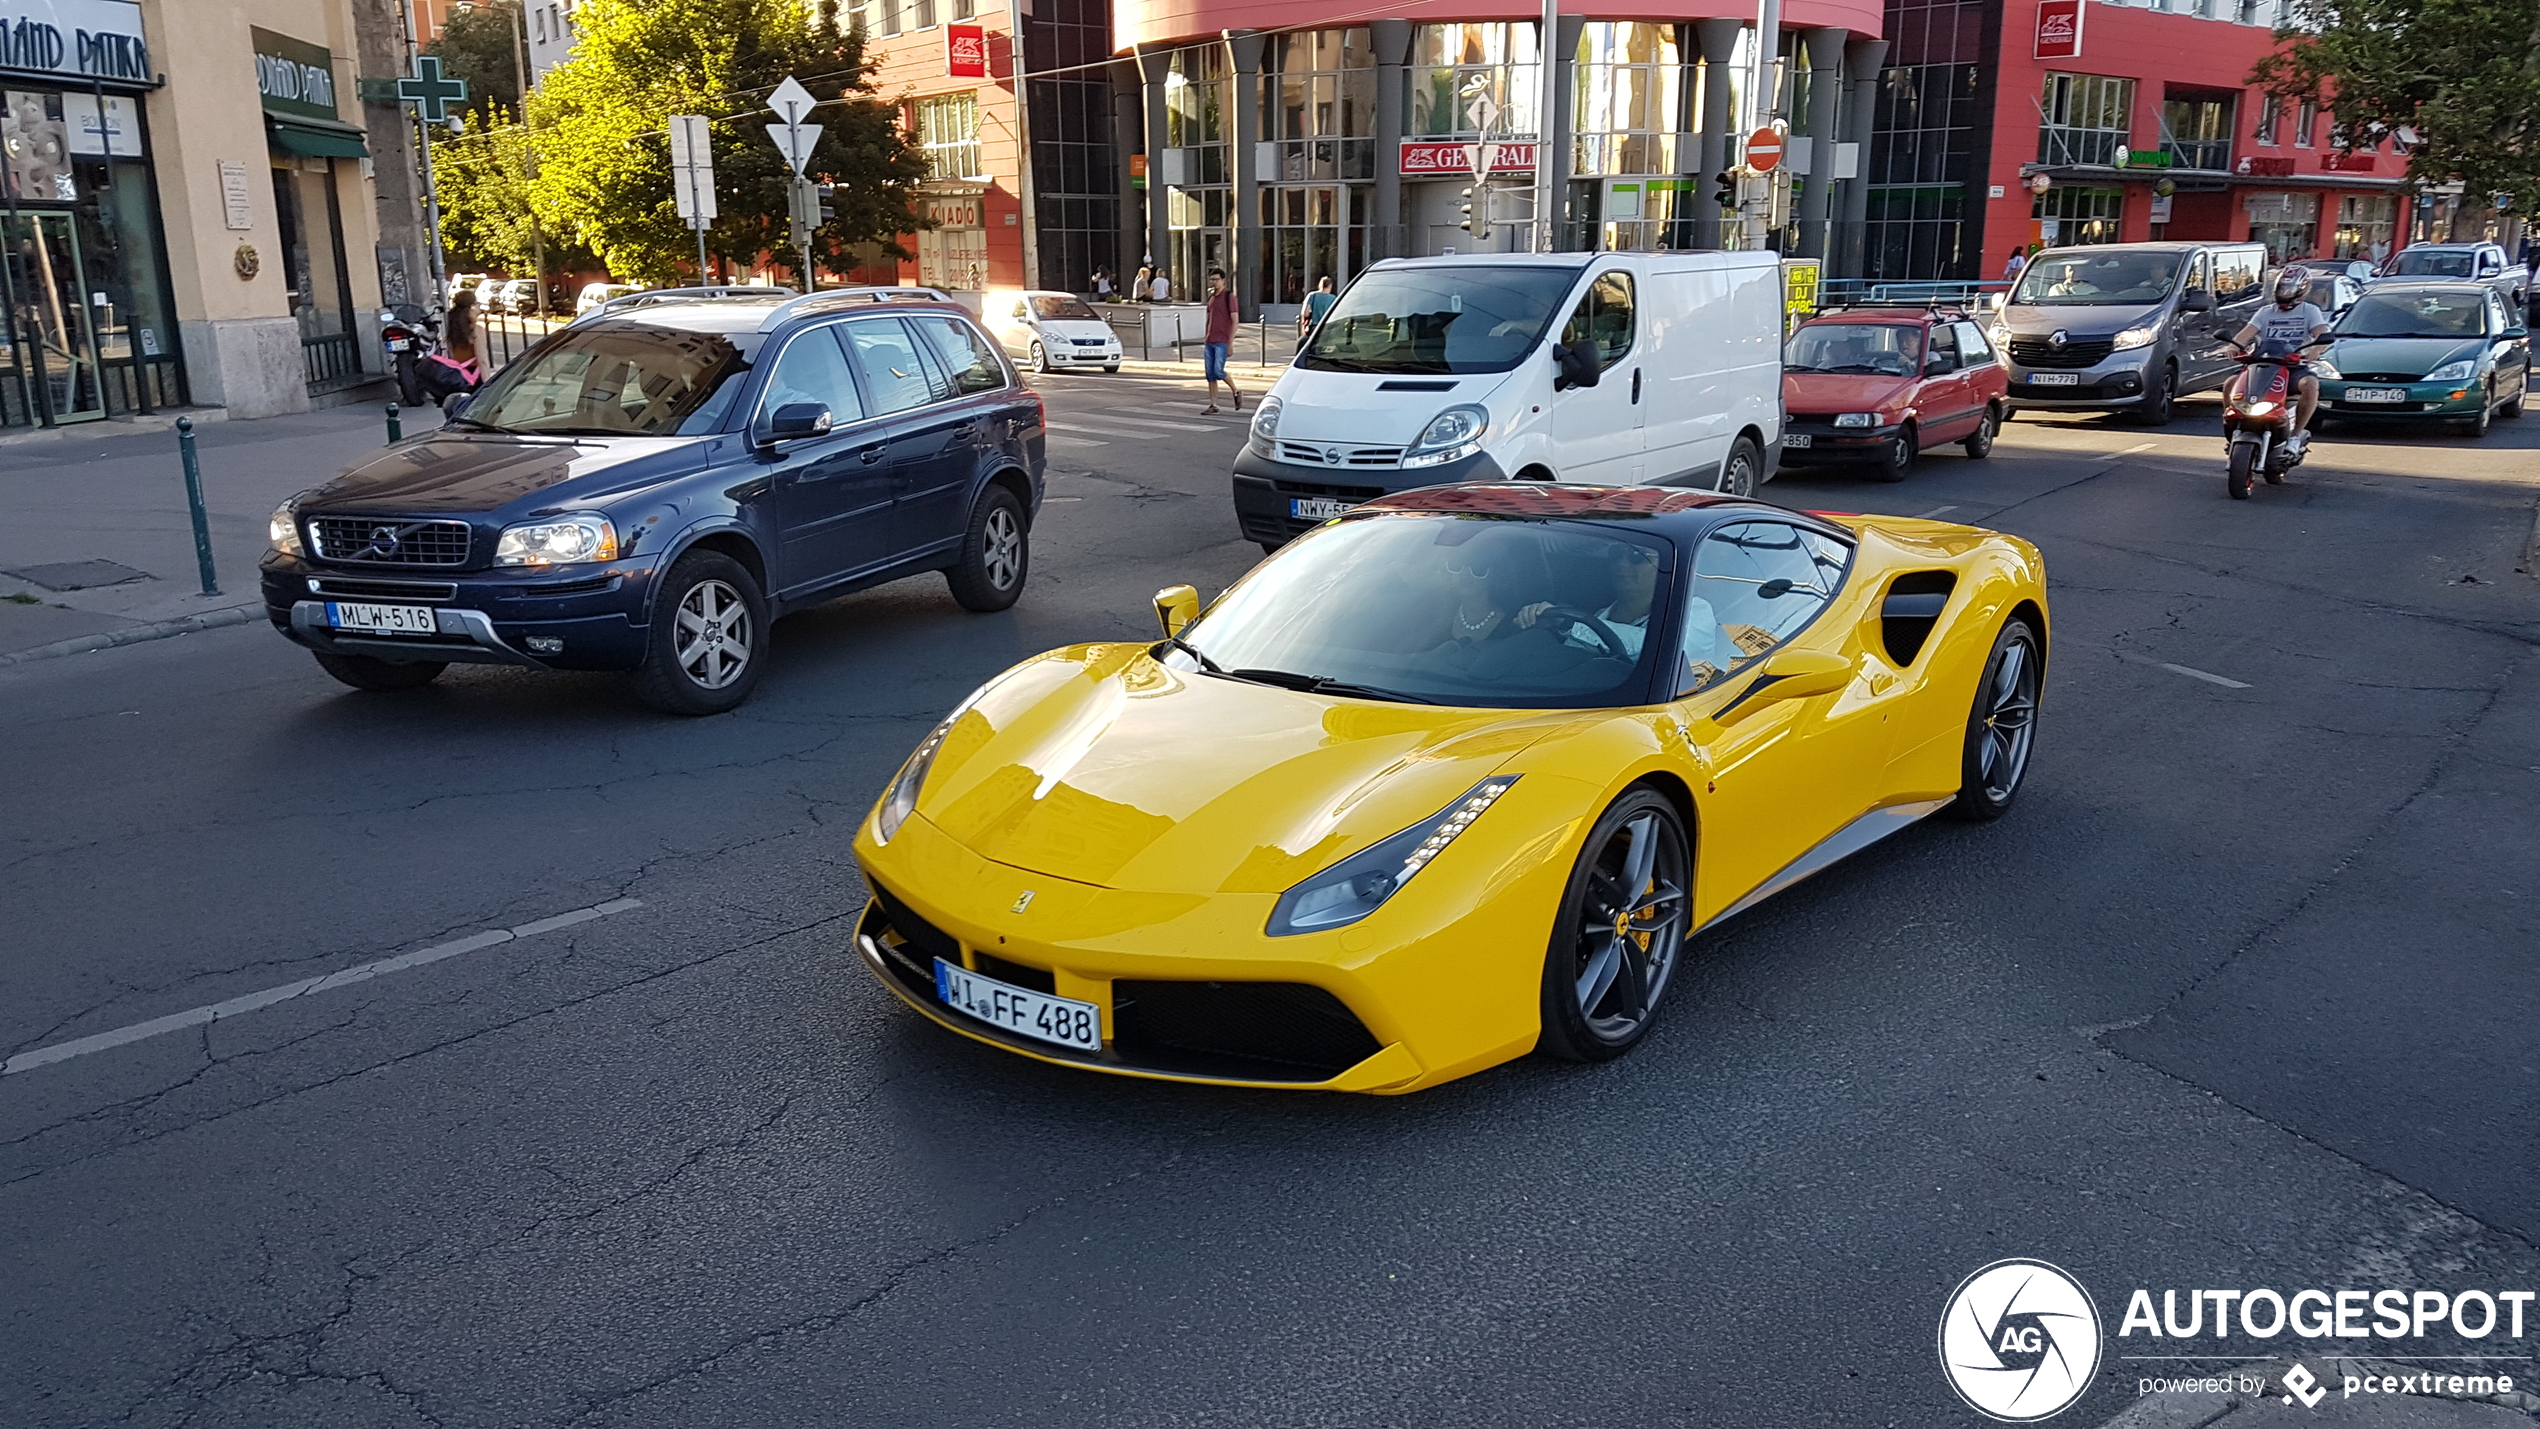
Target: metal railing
[502,337]
[332,359]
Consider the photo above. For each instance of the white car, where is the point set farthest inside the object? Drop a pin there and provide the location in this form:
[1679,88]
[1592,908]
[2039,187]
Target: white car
[1051,330]
[594,294]
[1617,369]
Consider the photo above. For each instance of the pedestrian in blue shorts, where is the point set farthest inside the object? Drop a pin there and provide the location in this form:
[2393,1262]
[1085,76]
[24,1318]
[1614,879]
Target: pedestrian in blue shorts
[1220,342]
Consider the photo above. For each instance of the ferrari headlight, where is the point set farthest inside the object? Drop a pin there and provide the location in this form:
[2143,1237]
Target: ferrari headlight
[1359,885]
[2460,371]
[2134,337]
[564,541]
[1856,419]
[284,527]
[900,800]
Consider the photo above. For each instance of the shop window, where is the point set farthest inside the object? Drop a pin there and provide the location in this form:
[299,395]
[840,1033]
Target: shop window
[2364,226]
[2197,132]
[948,135]
[2287,223]
[2087,119]
[1453,65]
[2074,215]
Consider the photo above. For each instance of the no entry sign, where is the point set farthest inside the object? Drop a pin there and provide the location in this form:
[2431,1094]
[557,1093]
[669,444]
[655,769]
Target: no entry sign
[1763,151]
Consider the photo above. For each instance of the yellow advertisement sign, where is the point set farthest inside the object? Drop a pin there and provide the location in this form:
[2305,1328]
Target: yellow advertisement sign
[1799,289]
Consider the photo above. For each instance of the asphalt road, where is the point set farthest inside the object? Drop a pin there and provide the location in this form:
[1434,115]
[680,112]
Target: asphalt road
[2240,995]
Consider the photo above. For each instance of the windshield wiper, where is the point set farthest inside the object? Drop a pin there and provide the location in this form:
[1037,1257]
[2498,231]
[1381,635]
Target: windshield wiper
[474,425]
[1187,648]
[1325,685]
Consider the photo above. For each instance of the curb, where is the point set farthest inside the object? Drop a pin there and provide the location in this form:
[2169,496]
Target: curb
[120,425]
[134,635]
[2173,1409]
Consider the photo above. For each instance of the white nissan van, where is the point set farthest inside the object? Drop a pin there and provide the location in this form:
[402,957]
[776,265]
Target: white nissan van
[1608,368]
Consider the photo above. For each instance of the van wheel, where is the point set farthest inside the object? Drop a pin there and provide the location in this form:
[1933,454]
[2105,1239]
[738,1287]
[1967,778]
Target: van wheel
[708,640]
[1040,359]
[2160,401]
[1898,459]
[1742,471]
[1980,445]
[996,554]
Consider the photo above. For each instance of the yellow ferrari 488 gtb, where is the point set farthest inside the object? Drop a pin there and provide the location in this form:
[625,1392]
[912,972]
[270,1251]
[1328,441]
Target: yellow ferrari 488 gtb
[1451,778]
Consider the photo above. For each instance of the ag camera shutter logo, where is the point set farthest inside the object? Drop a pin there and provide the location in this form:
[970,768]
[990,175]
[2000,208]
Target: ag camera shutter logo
[2019,1341]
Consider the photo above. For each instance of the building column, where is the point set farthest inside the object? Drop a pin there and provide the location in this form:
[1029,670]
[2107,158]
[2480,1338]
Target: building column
[1128,138]
[1559,138]
[1152,63]
[1392,47]
[1243,225]
[405,246]
[1825,89]
[1862,60]
[1717,41]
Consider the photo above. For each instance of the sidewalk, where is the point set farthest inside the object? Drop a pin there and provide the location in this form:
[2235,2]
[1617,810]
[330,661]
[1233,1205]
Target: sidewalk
[99,549]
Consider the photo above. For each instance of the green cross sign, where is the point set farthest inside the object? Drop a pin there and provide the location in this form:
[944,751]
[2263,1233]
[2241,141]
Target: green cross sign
[429,93]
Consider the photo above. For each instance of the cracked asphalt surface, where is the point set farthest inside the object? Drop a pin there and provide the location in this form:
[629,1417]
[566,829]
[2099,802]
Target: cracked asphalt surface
[2240,995]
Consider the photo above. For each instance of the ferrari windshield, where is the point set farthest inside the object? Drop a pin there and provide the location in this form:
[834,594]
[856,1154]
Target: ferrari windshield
[2098,277]
[1868,349]
[1451,610]
[2431,263]
[1447,318]
[2435,314]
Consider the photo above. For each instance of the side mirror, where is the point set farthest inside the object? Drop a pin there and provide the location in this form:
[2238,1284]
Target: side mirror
[796,420]
[2196,300]
[2517,331]
[1996,300]
[1939,363]
[1579,364]
[1790,675]
[1176,606]
[2359,271]
[455,404]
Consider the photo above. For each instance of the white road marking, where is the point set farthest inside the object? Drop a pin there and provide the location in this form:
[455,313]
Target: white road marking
[1180,409]
[249,1002]
[1199,426]
[1075,441]
[1104,431]
[1934,512]
[2139,447]
[2195,674]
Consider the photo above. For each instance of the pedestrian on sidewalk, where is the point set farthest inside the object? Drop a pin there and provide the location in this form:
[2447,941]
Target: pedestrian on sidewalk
[1220,341]
[1102,285]
[1138,284]
[1161,290]
[1317,303]
[458,334]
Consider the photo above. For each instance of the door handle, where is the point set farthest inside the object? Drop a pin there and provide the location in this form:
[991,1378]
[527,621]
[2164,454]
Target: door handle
[1635,386]
[873,453]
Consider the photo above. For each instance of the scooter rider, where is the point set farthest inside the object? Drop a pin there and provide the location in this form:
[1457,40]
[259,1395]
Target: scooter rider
[2293,324]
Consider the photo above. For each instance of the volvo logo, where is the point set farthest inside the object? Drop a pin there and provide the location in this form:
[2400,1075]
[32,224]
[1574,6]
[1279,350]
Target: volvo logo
[2058,340]
[382,543]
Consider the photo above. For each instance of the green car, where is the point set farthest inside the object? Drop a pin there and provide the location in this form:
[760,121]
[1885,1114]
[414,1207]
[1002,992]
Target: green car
[2449,352]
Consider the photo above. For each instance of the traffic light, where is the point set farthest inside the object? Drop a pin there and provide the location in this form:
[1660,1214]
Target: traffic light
[1476,210]
[827,209]
[1727,195]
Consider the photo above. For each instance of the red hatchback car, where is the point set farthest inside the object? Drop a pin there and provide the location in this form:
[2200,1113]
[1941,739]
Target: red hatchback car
[1881,385]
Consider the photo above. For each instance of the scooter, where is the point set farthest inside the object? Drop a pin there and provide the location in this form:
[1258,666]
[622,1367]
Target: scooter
[444,377]
[2259,408]
[408,333]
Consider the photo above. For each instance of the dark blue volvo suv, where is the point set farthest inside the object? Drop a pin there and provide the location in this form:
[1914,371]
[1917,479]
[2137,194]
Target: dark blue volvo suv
[647,492]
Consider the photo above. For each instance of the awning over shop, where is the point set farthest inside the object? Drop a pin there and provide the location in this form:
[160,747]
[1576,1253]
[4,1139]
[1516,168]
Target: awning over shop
[317,138]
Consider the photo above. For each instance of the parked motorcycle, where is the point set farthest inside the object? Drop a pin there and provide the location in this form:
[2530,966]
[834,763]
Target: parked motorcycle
[2259,408]
[425,373]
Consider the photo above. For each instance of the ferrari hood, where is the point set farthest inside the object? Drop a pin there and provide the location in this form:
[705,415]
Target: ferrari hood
[1099,765]
[1815,393]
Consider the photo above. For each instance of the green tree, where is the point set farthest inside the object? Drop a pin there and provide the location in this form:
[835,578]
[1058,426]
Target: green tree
[476,46]
[602,122]
[2464,75]
[484,179]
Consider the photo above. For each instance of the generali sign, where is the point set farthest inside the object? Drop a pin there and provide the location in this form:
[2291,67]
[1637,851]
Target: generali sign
[2058,29]
[965,52]
[1430,158]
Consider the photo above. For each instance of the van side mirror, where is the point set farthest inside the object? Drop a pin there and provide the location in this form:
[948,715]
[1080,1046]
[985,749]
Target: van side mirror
[1790,675]
[1577,365]
[1176,606]
[2359,271]
[2196,300]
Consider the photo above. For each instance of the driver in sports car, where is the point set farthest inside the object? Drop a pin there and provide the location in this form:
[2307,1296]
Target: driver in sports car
[1635,572]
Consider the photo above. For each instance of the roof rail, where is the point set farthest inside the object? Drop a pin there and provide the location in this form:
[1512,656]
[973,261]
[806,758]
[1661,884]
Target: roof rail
[649,296]
[832,299]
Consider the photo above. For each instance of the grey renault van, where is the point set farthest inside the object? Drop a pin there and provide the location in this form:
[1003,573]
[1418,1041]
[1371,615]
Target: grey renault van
[2127,326]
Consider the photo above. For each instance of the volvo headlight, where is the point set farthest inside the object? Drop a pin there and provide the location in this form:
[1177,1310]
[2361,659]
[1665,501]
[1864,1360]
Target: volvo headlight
[284,527]
[2137,337]
[560,542]
[1357,886]
[2460,371]
[1856,419]
[1265,427]
[1451,435]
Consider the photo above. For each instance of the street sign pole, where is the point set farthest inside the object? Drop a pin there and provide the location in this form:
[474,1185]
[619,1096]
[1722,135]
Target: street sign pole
[431,93]
[794,139]
[692,179]
[1547,204]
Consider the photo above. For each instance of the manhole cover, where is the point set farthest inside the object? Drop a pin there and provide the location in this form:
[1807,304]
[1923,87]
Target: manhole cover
[78,575]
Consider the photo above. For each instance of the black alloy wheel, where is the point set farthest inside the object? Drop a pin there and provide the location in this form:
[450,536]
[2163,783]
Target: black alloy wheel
[2160,400]
[1896,459]
[708,641]
[1742,472]
[2003,725]
[1620,932]
[996,554]
[365,672]
[1980,445]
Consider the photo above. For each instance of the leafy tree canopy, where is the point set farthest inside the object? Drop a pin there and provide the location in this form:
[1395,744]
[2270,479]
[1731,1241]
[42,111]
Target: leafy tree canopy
[602,126]
[476,46]
[2464,75]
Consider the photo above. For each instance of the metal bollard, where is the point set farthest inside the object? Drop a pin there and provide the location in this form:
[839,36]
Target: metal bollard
[194,503]
[396,429]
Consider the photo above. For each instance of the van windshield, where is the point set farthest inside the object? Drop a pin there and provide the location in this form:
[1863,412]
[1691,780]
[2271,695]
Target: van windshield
[1458,318]
[2097,278]
[2430,263]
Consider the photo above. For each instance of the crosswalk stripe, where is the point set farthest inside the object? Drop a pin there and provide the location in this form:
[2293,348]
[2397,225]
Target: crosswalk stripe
[1058,441]
[1105,431]
[1168,426]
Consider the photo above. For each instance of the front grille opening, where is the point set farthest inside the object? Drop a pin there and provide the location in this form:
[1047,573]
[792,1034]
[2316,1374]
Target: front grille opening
[383,590]
[990,965]
[1912,608]
[388,540]
[1316,488]
[2073,355]
[1254,1031]
[912,944]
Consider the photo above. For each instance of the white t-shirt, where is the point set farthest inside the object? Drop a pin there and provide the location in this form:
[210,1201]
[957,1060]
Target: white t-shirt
[1630,632]
[2283,329]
